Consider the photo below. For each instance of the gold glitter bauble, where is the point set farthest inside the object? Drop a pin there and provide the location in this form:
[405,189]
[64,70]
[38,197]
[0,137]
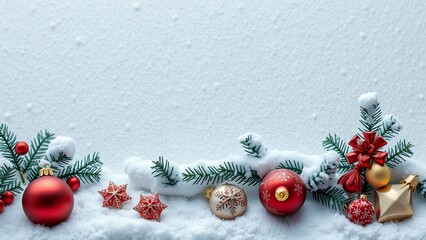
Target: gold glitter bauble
[228,201]
[378,176]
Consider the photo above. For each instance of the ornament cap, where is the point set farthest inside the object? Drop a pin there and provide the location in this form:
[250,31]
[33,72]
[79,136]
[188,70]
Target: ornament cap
[363,196]
[281,194]
[208,192]
[411,181]
[46,171]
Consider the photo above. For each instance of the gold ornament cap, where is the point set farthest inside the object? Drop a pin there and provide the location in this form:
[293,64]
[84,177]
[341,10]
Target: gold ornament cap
[208,192]
[46,171]
[411,181]
[281,194]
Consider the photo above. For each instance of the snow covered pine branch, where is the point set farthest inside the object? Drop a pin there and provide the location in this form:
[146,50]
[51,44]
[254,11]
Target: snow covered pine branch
[188,180]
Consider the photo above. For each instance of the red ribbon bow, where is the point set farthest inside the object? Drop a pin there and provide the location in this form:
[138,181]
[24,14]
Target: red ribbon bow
[363,152]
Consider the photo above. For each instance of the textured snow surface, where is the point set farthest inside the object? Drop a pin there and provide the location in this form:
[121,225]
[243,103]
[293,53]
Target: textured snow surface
[182,79]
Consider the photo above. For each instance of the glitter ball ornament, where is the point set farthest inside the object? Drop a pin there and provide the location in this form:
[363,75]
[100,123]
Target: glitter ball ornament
[114,196]
[282,192]
[150,207]
[21,148]
[74,183]
[360,211]
[227,201]
[47,200]
[7,197]
[378,175]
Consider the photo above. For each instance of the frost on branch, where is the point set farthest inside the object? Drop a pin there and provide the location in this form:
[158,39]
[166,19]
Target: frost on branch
[166,177]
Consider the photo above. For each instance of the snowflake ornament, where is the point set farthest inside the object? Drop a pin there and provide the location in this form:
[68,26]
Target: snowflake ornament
[150,207]
[360,211]
[114,196]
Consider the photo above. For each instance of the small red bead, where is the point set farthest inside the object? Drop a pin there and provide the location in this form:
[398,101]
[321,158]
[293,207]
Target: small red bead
[1,206]
[7,197]
[74,183]
[21,148]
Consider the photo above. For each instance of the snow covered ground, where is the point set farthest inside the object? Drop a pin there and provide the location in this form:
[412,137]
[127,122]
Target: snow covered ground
[184,79]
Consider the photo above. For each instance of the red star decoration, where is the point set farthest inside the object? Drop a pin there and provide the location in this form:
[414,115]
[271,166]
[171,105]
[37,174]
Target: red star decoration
[150,207]
[114,195]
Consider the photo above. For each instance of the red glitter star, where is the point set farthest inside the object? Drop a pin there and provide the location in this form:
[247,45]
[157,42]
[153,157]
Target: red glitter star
[150,207]
[114,195]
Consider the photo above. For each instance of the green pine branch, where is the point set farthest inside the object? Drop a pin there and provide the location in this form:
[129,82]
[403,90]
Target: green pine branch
[335,143]
[254,150]
[162,168]
[7,147]
[371,123]
[387,131]
[8,181]
[332,197]
[292,165]
[38,148]
[399,153]
[57,165]
[227,171]
[87,170]
[421,188]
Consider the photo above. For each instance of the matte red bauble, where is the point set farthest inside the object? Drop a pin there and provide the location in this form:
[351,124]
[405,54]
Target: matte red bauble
[7,197]
[282,192]
[47,200]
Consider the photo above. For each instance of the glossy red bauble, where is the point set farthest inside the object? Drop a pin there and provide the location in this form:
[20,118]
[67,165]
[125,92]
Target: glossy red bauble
[7,197]
[282,192]
[21,148]
[1,206]
[74,183]
[48,200]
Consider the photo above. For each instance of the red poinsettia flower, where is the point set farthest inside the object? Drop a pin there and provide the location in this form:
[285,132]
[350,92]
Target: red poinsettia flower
[366,150]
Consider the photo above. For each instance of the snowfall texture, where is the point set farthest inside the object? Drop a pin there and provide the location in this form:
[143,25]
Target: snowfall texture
[183,79]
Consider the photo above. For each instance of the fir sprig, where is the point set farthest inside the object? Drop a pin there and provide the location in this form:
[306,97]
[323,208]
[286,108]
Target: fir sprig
[371,121]
[399,153]
[292,165]
[57,164]
[39,146]
[252,149]
[335,143]
[88,170]
[421,188]
[162,168]
[8,141]
[388,131]
[8,181]
[332,197]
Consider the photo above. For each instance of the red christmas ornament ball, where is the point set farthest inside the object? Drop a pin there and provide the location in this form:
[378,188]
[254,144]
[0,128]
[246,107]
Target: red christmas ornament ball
[7,197]
[360,211]
[1,206]
[48,200]
[21,148]
[74,183]
[282,192]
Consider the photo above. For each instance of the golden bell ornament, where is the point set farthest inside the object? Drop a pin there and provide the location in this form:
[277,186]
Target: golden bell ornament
[394,202]
[227,201]
[378,176]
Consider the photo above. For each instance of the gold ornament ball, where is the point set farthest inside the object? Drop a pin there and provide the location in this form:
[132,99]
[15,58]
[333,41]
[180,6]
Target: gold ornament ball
[378,176]
[228,201]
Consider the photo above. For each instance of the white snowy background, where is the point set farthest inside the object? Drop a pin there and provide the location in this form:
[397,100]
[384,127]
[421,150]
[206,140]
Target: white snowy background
[184,79]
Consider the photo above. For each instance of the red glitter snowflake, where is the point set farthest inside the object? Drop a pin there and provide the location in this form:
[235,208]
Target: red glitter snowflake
[114,195]
[150,207]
